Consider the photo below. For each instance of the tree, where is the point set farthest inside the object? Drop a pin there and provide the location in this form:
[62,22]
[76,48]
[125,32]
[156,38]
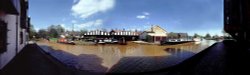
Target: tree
[59,29]
[55,31]
[83,31]
[42,33]
[32,32]
[215,36]
[196,35]
[208,36]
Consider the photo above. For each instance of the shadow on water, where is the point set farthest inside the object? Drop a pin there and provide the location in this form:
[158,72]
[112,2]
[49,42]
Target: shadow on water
[150,64]
[177,52]
[224,58]
[81,63]
[127,64]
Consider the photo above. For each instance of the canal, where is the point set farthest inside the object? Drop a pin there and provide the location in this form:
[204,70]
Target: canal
[122,58]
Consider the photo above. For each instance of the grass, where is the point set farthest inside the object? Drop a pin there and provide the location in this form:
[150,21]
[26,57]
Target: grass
[53,39]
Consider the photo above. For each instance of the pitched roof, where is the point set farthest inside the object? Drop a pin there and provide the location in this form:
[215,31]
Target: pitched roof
[153,28]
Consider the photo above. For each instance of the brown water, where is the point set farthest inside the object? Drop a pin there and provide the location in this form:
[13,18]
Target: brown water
[109,58]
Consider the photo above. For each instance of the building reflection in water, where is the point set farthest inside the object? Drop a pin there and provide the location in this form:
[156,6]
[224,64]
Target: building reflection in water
[84,57]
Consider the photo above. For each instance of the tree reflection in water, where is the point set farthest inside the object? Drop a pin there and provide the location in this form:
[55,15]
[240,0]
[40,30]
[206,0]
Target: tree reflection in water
[122,58]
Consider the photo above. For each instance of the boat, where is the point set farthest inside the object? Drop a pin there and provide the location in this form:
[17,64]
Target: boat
[114,41]
[66,41]
[197,39]
[174,41]
[110,41]
[71,42]
[106,41]
[100,41]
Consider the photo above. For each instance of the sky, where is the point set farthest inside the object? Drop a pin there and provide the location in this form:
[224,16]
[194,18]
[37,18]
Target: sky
[190,16]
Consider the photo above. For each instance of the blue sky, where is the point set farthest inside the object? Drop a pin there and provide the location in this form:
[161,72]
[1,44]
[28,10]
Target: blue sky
[192,16]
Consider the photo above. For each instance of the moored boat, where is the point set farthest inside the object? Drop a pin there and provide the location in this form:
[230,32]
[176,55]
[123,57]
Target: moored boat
[66,41]
[197,39]
[174,41]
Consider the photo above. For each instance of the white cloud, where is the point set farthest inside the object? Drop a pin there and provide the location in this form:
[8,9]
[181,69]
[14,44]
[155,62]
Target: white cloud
[87,8]
[141,16]
[74,21]
[90,25]
[75,1]
[145,15]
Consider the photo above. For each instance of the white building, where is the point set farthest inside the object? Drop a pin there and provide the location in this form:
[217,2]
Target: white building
[155,34]
[14,26]
[116,33]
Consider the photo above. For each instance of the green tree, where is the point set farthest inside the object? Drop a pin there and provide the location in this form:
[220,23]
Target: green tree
[83,31]
[196,35]
[42,33]
[55,31]
[32,32]
[207,36]
[60,29]
[215,36]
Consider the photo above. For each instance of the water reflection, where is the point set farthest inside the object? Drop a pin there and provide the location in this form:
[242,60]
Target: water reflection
[101,58]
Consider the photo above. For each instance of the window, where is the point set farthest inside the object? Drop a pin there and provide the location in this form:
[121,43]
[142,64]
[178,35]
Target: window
[21,37]
[3,36]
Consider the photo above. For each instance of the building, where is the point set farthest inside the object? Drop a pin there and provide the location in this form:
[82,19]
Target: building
[155,34]
[180,36]
[116,34]
[14,28]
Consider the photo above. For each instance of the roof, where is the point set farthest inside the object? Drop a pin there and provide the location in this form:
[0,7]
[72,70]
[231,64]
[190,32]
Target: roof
[154,28]
[156,31]
[160,27]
